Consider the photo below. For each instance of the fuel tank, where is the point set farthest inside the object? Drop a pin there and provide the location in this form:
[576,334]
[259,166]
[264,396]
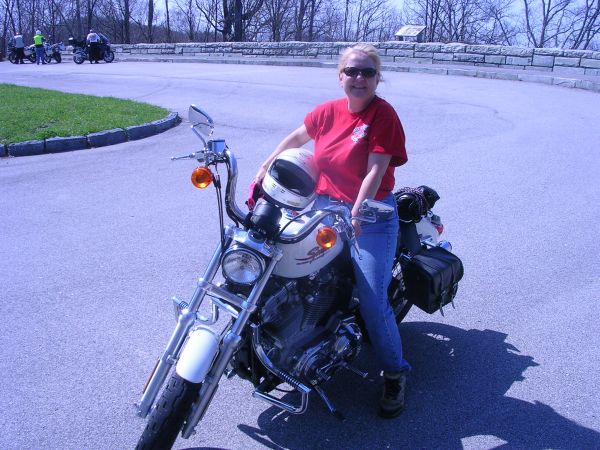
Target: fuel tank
[304,257]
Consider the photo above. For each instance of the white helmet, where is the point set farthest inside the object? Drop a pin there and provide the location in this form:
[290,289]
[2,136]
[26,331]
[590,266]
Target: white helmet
[291,179]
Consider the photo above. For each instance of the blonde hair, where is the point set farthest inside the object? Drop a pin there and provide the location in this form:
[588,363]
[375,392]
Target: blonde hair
[361,47]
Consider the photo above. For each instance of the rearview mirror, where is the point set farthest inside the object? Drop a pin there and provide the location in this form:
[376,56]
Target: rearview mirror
[202,123]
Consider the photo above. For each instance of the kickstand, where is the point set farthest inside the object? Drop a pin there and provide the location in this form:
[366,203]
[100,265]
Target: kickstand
[328,403]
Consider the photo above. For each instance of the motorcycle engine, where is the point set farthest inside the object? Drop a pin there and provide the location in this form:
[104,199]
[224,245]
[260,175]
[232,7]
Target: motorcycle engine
[308,327]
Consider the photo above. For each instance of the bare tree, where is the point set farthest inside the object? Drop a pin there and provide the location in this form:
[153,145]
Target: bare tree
[544,21]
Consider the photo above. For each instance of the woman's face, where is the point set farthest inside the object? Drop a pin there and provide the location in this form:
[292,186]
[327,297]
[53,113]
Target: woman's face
[359,89]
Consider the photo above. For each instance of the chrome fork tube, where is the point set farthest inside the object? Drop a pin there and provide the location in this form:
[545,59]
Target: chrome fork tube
[231,341]
[184,323]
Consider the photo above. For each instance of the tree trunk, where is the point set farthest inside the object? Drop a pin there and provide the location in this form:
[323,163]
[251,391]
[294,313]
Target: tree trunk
[150,20]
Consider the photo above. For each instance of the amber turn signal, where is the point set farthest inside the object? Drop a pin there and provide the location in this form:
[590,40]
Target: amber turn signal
[326,237]
[201,177]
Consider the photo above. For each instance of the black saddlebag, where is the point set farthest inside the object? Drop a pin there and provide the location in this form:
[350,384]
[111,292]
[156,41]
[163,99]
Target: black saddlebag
[431,278]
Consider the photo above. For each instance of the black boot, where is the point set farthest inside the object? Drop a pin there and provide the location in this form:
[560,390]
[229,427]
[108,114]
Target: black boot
[391,403]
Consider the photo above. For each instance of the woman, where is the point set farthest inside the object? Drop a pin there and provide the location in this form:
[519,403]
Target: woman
[359,141]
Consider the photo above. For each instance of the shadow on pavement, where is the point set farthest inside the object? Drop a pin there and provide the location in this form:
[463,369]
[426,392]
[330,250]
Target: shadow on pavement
[457,390]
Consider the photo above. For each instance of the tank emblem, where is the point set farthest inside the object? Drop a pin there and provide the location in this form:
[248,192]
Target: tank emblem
[312,255]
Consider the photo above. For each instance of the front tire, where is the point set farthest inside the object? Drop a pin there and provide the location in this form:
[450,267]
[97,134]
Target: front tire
[78,58]
[109,56]
[167,417]
[57,57]
[12,57]
[31,58]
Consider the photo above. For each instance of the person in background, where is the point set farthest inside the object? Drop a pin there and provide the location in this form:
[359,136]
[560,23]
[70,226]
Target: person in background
[19,44]
[359,140]
[93,42]
[38,41]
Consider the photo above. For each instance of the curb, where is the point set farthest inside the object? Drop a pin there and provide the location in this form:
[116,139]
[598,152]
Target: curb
[92,140]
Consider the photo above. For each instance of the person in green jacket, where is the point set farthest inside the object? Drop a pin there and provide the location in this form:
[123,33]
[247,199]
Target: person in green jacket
[38,40]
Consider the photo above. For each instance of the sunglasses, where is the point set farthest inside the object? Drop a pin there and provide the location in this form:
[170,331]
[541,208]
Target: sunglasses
[353,72]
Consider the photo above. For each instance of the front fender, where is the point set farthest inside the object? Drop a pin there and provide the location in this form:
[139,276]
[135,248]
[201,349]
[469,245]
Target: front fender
[198,355]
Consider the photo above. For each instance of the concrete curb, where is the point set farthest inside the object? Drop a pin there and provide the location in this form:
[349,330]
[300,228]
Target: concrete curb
[92,140]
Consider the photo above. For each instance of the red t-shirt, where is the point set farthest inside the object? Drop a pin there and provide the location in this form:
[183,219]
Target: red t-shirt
[343,141]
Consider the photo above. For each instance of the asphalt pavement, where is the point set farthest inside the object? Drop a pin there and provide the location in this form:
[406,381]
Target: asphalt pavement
[93,244]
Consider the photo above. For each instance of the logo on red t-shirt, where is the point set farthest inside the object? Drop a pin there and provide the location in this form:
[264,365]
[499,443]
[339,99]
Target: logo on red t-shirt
[359,133]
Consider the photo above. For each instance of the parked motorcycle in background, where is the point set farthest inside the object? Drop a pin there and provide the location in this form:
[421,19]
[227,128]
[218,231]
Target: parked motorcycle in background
[81,52]
[29,54]
[53,52]
[283,277]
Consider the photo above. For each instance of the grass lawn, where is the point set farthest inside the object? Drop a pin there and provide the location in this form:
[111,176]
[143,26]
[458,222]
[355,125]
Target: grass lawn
[33,114]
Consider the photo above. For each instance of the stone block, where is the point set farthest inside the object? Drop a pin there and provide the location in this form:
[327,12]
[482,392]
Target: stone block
[533,78]
[548,51]
[506,76]
[400,52]
[399,45]
[443,56]
[429,69]
[140,131]
[495,59]
[538,68]
[577,53]
[453,48]
[589,85]
[469,57]
[428,55]
[567,62]
[107,137]
[516,51]
[485,49]
[543,60]
[590,63]
[593,72]
[66,144]
[428,47]
[569,70]
[518,61]
[462,72]
[564,82]
[27,148]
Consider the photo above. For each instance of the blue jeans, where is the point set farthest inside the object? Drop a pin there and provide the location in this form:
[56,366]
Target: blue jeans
[39,55]
[373,273]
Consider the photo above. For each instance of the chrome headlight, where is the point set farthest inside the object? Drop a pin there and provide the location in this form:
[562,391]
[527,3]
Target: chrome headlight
[242,266]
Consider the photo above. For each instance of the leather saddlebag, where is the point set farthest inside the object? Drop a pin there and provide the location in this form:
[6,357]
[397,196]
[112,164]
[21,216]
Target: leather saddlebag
[431,278]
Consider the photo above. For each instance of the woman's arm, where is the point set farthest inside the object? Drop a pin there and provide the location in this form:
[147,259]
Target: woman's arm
[295,139]
[377,164]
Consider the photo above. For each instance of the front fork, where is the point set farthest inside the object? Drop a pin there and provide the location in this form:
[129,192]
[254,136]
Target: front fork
[224,300]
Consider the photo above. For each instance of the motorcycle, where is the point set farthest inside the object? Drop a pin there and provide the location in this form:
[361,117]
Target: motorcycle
[53,52]
[81,52]
[28,51]
[287,294]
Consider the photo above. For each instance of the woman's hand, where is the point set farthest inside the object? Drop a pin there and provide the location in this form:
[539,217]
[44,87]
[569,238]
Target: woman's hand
[262,171]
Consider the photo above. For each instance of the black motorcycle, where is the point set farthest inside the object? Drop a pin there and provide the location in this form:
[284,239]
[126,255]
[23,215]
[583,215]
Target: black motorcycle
[81,52]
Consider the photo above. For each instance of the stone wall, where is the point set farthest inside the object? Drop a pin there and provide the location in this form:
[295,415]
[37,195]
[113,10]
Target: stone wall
[564,62]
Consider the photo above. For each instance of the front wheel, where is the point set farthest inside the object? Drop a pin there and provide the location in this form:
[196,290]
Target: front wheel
[31,57]
[109,56]
[167,417]
[47,59]
[12,57]
[78,58]
[57,57]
